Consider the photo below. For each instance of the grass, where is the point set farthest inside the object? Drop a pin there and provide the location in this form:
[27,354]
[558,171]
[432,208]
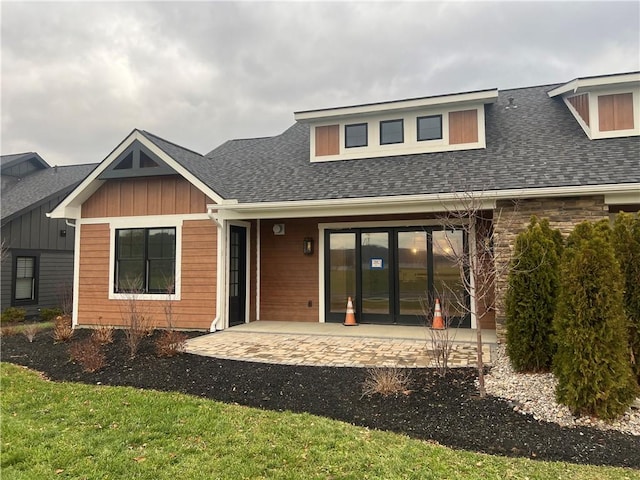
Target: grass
[20,327]
[67,430]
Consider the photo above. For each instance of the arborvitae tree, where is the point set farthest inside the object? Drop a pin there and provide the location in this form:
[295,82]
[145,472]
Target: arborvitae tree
[626,243]
[593,371]
[531,297]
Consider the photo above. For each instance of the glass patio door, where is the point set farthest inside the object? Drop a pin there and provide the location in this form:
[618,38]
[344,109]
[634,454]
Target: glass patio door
[388,272]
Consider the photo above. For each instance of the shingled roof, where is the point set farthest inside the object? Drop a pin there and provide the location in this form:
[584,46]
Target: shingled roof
[537,145]
[38,187]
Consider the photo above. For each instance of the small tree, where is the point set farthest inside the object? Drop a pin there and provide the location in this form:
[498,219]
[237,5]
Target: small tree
[479,264]
[531,297]
[626,243]
[593,371]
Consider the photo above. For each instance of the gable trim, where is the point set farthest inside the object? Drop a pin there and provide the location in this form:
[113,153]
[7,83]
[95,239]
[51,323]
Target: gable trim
[70,207]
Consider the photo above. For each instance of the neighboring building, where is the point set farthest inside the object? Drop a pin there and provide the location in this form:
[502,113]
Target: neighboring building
[37,258]
[349,201]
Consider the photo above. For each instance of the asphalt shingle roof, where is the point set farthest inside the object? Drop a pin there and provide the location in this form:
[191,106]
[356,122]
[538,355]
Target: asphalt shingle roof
[39,186]
[537,144]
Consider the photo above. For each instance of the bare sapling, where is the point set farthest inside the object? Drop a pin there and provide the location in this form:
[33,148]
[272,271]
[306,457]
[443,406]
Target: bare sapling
[440,340]
[170,342]
[477,263]
[136,319]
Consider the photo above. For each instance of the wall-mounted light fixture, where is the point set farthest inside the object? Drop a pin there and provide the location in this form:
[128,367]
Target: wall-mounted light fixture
[63,233]
[307,246]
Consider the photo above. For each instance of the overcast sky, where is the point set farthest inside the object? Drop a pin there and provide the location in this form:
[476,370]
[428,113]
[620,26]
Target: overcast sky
[78,77]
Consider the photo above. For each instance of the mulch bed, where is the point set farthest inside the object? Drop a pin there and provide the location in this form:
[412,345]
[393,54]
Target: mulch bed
[444,410]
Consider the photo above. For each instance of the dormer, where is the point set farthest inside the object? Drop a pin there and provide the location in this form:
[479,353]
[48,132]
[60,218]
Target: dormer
[404,127]
[606,106]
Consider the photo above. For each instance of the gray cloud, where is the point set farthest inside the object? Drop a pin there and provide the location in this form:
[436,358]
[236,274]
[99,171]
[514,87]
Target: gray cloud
[78,77]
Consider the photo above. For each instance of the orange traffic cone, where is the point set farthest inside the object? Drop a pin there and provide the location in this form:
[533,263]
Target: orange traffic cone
[438,324]
[350,317]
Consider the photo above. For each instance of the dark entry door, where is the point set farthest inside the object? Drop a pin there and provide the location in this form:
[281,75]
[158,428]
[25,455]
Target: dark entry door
[237,275]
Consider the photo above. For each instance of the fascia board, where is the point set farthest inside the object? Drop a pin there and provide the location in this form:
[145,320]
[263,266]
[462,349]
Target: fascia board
[484,96]
[410,203]
[70,206]
[580,84]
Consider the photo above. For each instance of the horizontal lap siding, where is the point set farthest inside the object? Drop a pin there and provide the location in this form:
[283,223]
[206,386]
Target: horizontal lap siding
[195,310]
[145,196]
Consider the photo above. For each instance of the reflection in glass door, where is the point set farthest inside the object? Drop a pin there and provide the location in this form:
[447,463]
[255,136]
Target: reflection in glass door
[375,268]
[342,272]
[389,271]
[447,283]
[412,271]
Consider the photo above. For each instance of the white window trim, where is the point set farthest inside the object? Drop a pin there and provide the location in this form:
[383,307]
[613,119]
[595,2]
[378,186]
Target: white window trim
[410,144]
[168,221]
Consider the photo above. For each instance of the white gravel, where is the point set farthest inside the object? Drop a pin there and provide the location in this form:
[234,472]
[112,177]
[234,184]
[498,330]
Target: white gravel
[535,394]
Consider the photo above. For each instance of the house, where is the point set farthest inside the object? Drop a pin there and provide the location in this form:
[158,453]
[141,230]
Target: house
[348,201]
[37,259]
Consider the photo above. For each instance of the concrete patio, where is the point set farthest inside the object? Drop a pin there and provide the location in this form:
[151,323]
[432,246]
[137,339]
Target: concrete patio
[332,344]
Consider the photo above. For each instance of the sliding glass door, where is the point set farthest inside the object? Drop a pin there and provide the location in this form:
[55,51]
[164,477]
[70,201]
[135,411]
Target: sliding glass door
[390,272]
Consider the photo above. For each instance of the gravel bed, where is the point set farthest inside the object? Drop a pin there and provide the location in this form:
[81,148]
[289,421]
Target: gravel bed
[534,393]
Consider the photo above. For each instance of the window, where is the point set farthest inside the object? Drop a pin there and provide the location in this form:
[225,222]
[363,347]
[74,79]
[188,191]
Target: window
[391,131]
[355,135]
[25,286]
[145,260]
[430,128]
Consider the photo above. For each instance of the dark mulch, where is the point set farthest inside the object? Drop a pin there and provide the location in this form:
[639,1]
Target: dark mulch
[445,410]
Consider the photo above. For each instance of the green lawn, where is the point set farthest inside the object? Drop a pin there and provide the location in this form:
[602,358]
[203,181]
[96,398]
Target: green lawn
[65,430]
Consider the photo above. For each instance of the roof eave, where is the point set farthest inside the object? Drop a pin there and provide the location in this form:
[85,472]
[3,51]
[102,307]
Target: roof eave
[422,203]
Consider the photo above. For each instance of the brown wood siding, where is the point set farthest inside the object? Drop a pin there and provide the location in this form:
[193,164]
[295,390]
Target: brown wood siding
[615,112]
[145,196]
[195,310]
[581,104]
[327,140]
[463,127]
[288,278]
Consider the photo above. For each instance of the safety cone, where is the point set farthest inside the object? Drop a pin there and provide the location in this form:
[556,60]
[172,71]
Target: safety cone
[350,317]
[438,324]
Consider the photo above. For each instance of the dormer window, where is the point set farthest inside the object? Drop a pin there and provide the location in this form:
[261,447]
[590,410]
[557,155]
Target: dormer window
[429,128]
[391,131]
[355,135]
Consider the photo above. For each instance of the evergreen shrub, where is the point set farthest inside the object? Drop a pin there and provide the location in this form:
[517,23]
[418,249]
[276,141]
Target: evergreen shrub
[531,297]
[591,364]
[626,243]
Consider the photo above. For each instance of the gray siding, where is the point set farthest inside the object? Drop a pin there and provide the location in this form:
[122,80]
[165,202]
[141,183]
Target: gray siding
[33,230]
[34,234]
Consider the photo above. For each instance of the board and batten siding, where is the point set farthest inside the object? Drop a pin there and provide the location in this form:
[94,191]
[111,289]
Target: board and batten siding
[195,310]
[145,196]
[463,127]
[581,104]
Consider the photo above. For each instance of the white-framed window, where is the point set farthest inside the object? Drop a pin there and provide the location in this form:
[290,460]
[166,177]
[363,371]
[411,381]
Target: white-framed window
[145,260]
[145,257]
[25,279]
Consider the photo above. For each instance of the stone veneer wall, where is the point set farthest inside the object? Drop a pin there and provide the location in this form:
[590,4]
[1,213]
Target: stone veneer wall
[512,218]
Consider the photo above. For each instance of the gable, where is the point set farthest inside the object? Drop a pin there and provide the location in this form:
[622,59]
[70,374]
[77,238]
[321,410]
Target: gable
[136,161]
[605,106]
[128,197]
